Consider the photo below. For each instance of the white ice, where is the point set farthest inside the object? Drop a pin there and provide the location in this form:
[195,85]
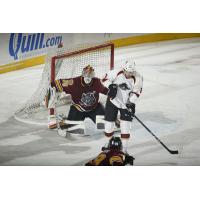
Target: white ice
[169,106]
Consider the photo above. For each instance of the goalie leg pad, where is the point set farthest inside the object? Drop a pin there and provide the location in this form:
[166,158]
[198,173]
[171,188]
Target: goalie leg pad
[52,122]
[50,98]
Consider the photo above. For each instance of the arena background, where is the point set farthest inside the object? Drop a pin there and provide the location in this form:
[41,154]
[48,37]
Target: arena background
[22,50]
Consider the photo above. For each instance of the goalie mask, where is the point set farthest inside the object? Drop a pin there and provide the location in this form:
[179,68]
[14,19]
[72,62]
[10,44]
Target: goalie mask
[115,143]
[88,74]
[129,69]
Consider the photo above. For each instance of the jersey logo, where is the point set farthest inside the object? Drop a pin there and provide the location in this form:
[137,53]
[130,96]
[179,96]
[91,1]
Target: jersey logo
[124,86]
[88,99]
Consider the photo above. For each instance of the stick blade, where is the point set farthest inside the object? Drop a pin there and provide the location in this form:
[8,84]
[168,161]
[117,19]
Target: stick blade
[173,152]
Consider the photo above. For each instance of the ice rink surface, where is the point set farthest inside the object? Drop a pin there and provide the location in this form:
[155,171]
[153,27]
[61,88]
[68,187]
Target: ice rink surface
[169,106]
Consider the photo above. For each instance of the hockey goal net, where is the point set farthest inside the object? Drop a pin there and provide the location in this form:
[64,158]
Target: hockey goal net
[63,64]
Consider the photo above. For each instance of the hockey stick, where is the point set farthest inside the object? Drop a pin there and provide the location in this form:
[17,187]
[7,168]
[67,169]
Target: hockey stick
[169,150]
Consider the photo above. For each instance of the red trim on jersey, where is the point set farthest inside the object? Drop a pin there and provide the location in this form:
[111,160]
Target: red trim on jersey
[134,93]
[125,135]
[105,78]
[133,78]
[120,72]
[108,134]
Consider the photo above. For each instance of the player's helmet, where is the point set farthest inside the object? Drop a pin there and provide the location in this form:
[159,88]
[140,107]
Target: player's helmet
[129,68]
[88,74]
[115,143]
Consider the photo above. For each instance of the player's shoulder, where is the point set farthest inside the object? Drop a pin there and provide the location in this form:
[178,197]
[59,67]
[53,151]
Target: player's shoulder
[115,72]
[72,81]
[97,80]
[67,82]
[77,78]
[138,75]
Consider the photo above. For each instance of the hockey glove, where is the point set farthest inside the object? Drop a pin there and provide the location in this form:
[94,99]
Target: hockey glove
[129,160]
[112,92]
[131,108]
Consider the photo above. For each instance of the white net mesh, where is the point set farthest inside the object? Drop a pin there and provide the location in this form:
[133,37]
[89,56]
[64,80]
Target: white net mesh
[69,66]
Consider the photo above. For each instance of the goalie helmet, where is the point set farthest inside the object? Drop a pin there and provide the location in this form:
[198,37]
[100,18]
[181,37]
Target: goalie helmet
[129,68]
[115,143]
[88,74]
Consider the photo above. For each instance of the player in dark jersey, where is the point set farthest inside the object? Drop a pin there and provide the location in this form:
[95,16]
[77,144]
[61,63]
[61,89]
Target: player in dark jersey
[84,91]
[112,155]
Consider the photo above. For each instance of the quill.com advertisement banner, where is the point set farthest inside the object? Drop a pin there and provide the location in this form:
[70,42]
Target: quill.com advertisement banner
[21,45]
[15,47]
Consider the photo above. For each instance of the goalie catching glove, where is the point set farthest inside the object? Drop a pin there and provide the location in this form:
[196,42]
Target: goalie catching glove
[112,91]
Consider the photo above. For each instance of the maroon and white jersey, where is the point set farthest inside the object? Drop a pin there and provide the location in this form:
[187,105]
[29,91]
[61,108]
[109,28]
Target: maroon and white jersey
[129,89]
[85,97]
[108,158]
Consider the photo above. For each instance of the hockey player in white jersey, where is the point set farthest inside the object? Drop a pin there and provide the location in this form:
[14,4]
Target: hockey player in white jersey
[126,87]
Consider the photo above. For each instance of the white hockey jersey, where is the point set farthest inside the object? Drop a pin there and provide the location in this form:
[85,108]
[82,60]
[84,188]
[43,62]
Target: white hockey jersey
[128,89]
